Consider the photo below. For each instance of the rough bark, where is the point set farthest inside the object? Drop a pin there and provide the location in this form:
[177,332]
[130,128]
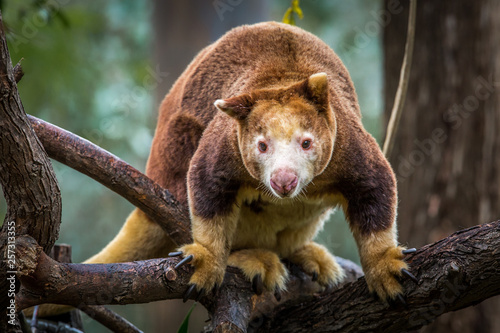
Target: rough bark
[458,271]
[109,319]
[62,253]
[118,176]
[29,185]
[447,151]
[45,280]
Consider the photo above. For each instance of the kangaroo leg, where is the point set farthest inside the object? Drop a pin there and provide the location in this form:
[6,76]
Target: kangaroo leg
[139,239]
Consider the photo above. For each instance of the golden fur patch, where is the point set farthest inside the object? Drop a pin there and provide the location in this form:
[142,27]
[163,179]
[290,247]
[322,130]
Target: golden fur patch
[261,262]
[209,266]
[139,239]
[382,261]
[315,259]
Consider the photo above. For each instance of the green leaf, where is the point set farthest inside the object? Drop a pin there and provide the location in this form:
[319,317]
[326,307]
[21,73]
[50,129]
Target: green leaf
[296,8]
[289,16]
[185,323]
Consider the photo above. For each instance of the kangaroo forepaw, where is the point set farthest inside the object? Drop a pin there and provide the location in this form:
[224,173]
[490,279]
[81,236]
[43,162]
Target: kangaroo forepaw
[208,273]
[384,274]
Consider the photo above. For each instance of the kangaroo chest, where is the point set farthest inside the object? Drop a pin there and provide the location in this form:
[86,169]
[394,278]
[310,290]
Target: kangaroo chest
[278,224]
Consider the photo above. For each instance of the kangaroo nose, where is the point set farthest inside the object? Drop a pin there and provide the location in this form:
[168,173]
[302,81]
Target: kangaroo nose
[284,181]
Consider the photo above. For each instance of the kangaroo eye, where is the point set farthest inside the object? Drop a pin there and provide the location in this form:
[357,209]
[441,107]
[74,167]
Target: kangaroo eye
[306,144]
[262,147]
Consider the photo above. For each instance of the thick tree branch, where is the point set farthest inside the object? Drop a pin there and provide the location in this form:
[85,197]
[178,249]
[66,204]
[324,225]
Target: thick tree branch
[109,319]
[456,272]
[237,309]
[45,280]
[120,177]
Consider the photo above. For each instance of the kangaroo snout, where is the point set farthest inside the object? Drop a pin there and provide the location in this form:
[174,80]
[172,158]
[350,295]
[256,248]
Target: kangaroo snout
[284,181]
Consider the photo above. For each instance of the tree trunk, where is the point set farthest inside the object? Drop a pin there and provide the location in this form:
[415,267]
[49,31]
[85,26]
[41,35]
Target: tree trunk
[29,186]
[447,149]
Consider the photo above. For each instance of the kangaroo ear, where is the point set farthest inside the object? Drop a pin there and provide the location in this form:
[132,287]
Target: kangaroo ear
[317,90]
[238,107]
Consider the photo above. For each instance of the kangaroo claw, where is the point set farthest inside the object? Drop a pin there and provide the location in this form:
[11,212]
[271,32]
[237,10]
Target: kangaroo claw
[184,261]
[277,294]
[398,301]
[409,251]
[189,291]
[257,285]
[409,275]
[200,295]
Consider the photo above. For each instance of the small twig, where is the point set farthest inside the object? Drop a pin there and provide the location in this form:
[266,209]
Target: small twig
[109,319]
[399,100]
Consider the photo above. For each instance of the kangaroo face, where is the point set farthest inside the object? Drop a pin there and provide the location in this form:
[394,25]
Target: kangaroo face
[286,136]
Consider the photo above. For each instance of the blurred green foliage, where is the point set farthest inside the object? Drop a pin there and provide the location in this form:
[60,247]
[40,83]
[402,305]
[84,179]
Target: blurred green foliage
[86,73]
[89,69]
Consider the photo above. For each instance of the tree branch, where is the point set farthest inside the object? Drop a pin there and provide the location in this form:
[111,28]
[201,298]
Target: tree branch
[118,176]
[101,314]
[26,175]
[458,271]
[45,280]
[237,309]
[109,319]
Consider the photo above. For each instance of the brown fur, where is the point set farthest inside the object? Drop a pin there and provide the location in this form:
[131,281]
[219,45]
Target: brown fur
[266,75]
